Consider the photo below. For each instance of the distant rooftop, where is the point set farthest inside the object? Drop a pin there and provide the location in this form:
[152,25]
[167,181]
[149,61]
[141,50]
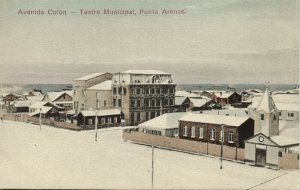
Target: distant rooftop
[147,72]
[90,76]
[106,85]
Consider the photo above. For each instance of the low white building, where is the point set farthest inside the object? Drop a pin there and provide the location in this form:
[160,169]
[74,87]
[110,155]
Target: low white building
[164,125]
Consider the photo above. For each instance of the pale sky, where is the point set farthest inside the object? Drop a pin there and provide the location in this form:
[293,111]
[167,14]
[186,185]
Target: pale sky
[232,41]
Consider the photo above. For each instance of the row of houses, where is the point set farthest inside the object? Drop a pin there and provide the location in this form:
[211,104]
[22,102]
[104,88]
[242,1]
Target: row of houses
[263,135]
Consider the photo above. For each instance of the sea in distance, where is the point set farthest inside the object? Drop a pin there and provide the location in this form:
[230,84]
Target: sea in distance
[21,88]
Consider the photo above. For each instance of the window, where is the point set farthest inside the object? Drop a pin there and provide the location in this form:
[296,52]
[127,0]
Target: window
[133,103]
[114,102]
[114,90]
[116,119]
[274,117]
[262,117]
[213,134]
[185,129]
[138,91]
[158,91]
[152,91]
[138,103]
[138,116]
[290,116]
[230,137]
[147,116]
[193,132]
[279,115]
[104,103]
[90,121]
[158,103]
[166,102]
[109,120]
[82,106]
[124,91]
[120,102]
[97,104]
[102,120]
[171,102]
[152,103]
[82,92]
[147,90]
[201,133]
[152,114]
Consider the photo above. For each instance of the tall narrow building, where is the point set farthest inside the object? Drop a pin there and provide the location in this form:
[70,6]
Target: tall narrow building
[80,86]
[143,94]
[266,116]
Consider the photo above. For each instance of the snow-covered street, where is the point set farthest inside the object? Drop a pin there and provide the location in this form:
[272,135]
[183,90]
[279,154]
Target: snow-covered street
[59,158]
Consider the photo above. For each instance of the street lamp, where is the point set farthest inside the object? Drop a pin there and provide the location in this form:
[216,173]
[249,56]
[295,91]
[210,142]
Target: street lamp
[222,139]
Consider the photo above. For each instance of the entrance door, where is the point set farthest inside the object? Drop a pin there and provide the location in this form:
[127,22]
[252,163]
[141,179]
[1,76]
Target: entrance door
[260,157]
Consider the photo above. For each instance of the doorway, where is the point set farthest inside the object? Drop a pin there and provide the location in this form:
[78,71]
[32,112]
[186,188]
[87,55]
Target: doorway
[260,157]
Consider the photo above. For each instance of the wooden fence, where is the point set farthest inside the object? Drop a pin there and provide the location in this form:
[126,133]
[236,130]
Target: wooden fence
[232,153]
[25,118]
[289,161]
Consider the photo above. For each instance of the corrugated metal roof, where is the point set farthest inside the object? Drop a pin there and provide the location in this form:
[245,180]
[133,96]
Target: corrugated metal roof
[215,119]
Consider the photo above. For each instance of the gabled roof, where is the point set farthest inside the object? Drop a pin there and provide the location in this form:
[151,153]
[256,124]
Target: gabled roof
[90,76]
[106,85]
[224,94]
[266,104]
[199,102]
[215,119]
[44,110]
[165,121]
[147,72]
[105,112]
[21,104]
[179,100]
[277,140]
[52,96]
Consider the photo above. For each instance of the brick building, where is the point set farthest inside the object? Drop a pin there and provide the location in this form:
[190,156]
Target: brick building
[207,128]
[143,94]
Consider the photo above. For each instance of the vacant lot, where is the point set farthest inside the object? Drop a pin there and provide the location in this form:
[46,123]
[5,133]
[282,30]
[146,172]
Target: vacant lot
[58,158]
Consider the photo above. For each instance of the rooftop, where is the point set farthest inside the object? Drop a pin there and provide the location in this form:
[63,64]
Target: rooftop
[215,119]
[147,72]
[106,85]
[284,141]
[90,76]
[104,112]
[266,103]
[165,121]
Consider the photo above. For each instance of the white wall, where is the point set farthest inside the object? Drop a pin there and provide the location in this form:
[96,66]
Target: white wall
[249,151]
[272,155]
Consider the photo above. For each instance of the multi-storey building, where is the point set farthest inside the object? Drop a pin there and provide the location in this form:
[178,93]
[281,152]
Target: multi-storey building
[80,86]
[143,94]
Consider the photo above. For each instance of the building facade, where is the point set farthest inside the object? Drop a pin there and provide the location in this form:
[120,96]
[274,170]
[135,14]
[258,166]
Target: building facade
[207,128]
[80,86]
[143,94]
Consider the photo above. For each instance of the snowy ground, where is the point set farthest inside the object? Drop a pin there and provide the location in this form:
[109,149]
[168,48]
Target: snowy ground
[58,158]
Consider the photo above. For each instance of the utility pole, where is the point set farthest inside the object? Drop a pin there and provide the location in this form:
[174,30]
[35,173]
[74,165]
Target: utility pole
[222,139]
[96,120]
[40,119]
[152,172]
